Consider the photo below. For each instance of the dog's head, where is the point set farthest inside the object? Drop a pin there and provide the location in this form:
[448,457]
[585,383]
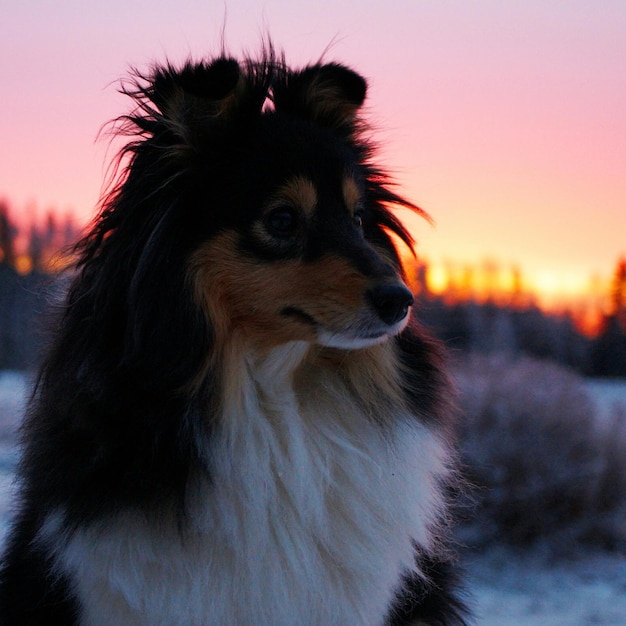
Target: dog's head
[251,190]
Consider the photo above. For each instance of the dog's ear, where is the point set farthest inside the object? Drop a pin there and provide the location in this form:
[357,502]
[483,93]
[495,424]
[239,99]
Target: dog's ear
[191,100]
[329,94]
[211,89]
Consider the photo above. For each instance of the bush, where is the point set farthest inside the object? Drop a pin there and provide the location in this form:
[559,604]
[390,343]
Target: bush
[543,465]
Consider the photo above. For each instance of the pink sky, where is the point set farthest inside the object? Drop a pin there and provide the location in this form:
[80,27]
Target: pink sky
[505,120]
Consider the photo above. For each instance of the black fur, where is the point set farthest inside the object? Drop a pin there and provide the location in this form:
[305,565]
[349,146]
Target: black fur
[434,600]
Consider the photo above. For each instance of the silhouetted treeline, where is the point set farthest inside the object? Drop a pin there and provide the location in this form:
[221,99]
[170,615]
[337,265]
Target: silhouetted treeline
[608,355]
[29,259]
[489,328]
[22,301]
[473,327]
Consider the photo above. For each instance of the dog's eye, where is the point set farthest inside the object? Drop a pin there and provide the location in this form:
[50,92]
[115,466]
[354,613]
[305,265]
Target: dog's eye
[282,221]
[357,218]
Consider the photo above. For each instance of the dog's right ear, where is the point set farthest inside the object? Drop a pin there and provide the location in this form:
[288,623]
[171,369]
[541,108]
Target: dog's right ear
[187,103]
[198,90]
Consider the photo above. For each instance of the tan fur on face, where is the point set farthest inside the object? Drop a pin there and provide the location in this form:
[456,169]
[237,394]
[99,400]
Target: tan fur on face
[299,193]
[351,194]
[245,297]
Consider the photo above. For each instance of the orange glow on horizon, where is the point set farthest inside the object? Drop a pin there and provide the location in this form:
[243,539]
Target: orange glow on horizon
[585,301]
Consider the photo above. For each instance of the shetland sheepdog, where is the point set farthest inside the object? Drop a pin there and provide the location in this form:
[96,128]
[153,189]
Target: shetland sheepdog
[238,422]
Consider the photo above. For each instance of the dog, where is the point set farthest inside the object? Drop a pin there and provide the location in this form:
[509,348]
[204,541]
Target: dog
[238,421]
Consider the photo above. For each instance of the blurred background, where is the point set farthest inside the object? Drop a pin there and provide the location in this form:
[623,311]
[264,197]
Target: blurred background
[506,122]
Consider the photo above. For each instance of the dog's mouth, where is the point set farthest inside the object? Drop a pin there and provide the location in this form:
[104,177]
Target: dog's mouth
[366,330]
[299,314]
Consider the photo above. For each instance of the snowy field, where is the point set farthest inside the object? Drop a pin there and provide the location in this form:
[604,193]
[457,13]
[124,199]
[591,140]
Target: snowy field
[529,589]
[510,588]
[13,394]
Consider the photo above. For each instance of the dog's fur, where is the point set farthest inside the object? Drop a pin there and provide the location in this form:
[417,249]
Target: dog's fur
[238,423]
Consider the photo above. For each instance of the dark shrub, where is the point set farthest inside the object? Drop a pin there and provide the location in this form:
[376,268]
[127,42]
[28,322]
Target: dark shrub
[542,463]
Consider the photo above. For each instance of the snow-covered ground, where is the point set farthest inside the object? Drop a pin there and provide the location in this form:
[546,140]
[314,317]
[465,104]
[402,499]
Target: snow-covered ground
[514,588]
[510,588]
[13,394]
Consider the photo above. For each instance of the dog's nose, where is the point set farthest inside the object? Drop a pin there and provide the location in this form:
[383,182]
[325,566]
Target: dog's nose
[391,302]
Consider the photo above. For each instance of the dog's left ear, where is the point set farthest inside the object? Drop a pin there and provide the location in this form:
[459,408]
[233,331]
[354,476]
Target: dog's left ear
[329,94]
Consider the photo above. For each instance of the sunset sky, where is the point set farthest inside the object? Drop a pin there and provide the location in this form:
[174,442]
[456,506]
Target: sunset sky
[505,120]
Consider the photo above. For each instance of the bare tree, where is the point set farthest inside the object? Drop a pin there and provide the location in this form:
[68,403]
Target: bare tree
[618,293]
[8,232]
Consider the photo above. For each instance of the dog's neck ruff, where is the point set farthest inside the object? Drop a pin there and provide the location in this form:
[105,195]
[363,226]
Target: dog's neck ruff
[309,516]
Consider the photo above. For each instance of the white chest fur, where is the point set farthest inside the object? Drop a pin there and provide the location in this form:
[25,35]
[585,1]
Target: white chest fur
[308,520]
